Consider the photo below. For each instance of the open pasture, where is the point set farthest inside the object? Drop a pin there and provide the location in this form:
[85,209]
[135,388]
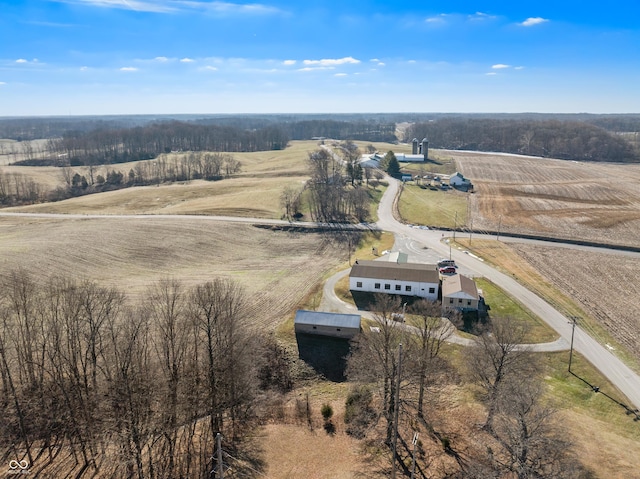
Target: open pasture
[254,192]
[567,199]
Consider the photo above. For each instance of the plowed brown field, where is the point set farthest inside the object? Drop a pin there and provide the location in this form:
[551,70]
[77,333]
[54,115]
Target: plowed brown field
[567,199]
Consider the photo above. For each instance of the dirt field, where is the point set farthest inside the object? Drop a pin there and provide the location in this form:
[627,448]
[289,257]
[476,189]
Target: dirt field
[605,285]
[276,268]
[569,199]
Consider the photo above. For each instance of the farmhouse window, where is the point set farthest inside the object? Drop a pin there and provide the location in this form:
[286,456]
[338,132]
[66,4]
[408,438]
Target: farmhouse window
[450,300]
[432,290]
[315,327]
[459,300]
[407,288]
[338,329]
[398,287]
[377,285]
[387,286]
[359,284]
[468,302]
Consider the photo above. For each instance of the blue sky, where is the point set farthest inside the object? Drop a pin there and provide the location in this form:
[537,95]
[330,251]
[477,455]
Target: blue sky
[83,57]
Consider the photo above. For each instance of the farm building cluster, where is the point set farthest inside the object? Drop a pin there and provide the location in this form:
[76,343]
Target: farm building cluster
[428,281]
[395,275]
[420,154]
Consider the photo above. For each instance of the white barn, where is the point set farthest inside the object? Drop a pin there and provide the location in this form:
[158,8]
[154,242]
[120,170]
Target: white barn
[408,279]
[327,324]
[458,180]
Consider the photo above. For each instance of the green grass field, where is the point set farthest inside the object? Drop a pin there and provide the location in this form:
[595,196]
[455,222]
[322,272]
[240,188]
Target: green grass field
[424,206]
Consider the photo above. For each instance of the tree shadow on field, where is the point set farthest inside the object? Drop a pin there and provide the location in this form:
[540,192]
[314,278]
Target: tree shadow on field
[326,355]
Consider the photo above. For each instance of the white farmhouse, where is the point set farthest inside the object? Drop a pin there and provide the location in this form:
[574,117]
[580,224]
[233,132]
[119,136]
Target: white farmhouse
[408,279]
[459,292]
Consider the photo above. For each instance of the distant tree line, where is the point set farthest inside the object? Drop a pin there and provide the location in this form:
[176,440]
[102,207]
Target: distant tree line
[119,145]
[17,189]
[93,384]
[370,130]
[548,138]
[107,146]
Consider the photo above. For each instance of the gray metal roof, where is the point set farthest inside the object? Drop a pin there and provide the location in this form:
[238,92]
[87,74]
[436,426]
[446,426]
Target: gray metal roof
[425,273]
[320,318]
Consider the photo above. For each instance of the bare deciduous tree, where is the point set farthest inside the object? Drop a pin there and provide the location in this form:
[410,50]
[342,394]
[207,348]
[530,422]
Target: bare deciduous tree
[498,357]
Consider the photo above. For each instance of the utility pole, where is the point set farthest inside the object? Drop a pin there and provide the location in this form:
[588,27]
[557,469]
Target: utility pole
[220,467]
[455,226]
[574,320]
[396,415]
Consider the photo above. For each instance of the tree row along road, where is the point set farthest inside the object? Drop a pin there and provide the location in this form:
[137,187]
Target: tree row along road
[627,381]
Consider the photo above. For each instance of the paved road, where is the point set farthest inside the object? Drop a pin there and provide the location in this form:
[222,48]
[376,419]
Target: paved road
[615,370]
[627,381]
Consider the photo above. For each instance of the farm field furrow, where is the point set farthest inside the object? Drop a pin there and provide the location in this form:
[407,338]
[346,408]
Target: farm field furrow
[566,199]
[276,268]
[606,286]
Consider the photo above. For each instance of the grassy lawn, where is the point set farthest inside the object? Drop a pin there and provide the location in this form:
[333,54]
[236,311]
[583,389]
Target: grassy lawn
[503,306]
[433,208]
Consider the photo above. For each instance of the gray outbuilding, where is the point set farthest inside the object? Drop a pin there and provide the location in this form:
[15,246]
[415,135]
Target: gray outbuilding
[327,324]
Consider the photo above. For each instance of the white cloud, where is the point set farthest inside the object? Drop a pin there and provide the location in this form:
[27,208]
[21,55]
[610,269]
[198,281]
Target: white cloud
[381,64]
[531,21]
[128,69]
[186,60]
[436,20]
[332,61]
[500,66]
[3,83]
[374,60]
[519,68]
[21,60]
[226,7]
[310,69]
[162,6]
[174,6]
[340,75]
[289,62]
[161,59]
[84,69]
[210,68]
[491,74]
[480,16]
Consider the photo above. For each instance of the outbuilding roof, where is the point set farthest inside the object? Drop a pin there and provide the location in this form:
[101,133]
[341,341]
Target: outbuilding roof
[459,284]
[417,272]
[321,318]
